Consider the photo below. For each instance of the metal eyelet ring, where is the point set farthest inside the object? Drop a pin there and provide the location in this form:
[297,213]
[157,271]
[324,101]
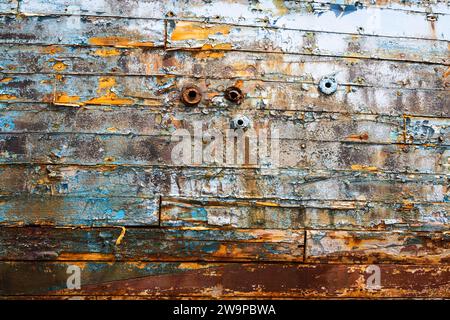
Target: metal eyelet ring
[240,122]
[328,85]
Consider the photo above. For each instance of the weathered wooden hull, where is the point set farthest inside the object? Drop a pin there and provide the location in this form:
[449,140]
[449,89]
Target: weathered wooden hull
[89,104]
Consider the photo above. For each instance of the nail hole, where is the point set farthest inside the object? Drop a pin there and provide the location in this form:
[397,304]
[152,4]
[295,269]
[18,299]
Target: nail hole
[240,122]
[192,94]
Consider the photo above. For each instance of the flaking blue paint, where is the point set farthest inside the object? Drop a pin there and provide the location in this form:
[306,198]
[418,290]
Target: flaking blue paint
[6,123]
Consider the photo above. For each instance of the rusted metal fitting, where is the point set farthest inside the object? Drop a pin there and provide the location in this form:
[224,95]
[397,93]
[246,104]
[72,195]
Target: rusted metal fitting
[234,94]
[191,95]
[240,122]
[328,85]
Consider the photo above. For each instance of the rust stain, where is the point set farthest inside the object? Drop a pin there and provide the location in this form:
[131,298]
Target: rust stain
[359,137]
[186,30]
[446,76]
[52,49]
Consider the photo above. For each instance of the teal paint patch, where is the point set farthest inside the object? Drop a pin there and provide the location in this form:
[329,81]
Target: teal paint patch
[211,248]
[6,123]
[198,214]
[120,214]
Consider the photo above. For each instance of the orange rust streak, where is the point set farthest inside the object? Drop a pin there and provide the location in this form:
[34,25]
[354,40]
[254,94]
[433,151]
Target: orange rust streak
[52,49]
[358,137]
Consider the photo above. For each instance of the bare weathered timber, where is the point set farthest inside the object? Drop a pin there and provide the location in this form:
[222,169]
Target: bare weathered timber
[90,100]
[366,247]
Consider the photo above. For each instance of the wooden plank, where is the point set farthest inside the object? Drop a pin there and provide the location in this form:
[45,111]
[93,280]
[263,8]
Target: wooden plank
[150,9]
[223,64]
[349,215]
[101,149]
[74,30]
[221,280]
[150,244]
[313,126]
[79,211]
[195,35]
[158,91]
[133,181]
[377,247]
[292,15]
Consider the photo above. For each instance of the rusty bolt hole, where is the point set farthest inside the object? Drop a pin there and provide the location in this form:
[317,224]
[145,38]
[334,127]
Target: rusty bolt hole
[234,94]
[191,96]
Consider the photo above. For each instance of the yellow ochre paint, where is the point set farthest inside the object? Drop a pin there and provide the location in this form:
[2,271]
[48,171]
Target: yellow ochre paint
[120,42]
[59,66]
[361,167]
[186,30]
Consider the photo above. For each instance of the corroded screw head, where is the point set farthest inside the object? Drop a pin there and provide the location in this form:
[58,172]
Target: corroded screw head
[234,94]
[240,122]
[328,85]
[191,95]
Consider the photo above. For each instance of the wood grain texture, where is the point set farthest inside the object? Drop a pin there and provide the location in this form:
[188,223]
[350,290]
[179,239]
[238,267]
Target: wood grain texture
[90,101]
[382,247]
[220,280]
[158,91]
[151,244]
[311,214]
[363,185]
